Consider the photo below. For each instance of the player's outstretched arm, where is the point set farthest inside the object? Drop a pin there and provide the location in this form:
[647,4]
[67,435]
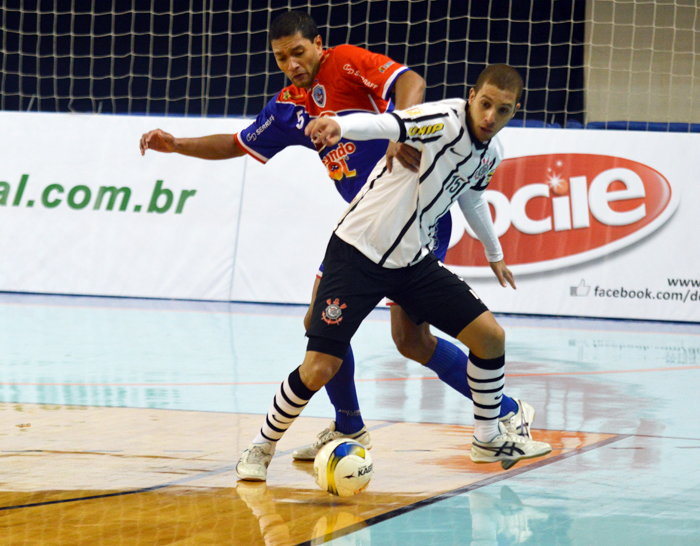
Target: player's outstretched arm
[324,131]
[207,147]
[328,131]
[158,141]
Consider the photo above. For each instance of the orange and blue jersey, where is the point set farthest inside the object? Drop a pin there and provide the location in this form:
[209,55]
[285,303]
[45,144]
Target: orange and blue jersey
[350,80]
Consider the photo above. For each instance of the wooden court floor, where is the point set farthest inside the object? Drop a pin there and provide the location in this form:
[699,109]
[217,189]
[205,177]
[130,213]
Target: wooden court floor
[104,442]
[83,475]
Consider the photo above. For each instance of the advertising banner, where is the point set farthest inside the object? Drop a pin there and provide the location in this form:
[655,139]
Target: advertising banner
[592,223]
[81,212]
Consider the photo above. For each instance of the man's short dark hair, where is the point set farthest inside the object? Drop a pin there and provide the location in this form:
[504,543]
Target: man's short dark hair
[291,23]
[504,77]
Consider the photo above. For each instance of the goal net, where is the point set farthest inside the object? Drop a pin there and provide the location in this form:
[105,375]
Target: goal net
[582,62]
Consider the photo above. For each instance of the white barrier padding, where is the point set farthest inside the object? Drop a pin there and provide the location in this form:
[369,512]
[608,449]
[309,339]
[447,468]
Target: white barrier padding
[593,223]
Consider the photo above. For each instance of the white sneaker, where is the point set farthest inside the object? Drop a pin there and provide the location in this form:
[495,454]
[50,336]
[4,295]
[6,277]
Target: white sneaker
[308,453]
[507,448]
[254,462]
[519,423]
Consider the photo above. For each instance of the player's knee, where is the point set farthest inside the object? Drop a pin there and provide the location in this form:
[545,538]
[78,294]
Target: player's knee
[500,339]
[409,344]
[322,375]
[319,370]
[485,339]
[494,341]
[416,345]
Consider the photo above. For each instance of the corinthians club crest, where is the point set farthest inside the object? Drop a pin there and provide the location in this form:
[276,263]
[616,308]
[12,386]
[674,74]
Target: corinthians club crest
[333,314]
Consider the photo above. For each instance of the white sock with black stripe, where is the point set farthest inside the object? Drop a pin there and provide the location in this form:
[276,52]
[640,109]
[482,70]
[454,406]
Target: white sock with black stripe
[288,403]
[486,380]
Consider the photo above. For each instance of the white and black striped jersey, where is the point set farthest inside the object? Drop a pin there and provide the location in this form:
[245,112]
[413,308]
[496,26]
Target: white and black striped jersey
[392,219]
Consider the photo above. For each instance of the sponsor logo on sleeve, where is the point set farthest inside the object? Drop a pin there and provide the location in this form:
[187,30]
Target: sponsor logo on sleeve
[553,211]
[250,137]
[384,67]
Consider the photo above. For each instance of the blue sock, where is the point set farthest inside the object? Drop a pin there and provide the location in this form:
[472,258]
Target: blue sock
[450,363]
[341,391]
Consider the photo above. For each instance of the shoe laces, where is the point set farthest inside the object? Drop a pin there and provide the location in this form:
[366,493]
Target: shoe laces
[517,421]
[511,437]
[326,436]
[511,421]
[257,455]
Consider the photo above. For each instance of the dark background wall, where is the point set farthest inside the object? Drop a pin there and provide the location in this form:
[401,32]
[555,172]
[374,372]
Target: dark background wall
[211,57]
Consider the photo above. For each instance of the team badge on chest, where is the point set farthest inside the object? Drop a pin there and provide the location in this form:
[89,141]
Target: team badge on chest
[484,168]
[319,95]
[334,312]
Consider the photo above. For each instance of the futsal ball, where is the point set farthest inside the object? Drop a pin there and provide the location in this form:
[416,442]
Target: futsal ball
[343,467]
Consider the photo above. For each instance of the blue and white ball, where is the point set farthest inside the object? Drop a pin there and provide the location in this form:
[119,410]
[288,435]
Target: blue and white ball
[343,467]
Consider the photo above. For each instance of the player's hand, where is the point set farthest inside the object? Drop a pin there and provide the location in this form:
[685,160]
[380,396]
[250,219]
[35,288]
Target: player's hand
[504,275]
[323,131]
[407,155]
[158,141]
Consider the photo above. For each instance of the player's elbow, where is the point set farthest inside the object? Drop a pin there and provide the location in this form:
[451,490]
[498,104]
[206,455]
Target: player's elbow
[234,149]
[418,83]
[410,83]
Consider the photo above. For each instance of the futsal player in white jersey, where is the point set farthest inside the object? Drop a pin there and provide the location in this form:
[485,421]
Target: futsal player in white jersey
[381,247]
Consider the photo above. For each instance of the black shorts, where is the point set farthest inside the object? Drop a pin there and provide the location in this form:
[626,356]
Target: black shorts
[352,285]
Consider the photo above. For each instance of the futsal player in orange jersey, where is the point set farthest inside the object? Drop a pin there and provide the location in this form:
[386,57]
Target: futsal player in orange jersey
[340,81]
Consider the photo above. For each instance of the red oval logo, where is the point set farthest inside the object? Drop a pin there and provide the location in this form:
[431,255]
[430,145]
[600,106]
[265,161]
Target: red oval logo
[556,210]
